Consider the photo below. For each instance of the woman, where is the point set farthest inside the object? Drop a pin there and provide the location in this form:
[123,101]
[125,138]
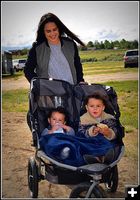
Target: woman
[54,54]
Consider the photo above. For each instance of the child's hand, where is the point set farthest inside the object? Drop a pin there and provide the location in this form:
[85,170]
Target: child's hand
[93,131]
[54,128]
[65,127]
[104,129]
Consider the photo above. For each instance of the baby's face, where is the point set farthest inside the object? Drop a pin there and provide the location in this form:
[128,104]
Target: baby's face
[56,118]
[95,107]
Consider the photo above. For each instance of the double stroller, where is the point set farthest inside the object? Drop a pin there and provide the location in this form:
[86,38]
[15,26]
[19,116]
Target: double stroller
[85,181]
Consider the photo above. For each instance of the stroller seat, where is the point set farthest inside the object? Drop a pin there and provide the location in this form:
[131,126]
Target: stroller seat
[44,95]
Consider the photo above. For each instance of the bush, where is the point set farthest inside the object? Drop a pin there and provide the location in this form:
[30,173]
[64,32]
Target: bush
[88,59]
[112,57]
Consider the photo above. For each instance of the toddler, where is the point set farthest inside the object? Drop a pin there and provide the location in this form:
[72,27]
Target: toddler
[57,119]
[96,121]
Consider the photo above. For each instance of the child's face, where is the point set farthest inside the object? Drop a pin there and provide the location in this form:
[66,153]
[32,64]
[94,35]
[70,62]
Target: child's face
[56,117]
[95,107]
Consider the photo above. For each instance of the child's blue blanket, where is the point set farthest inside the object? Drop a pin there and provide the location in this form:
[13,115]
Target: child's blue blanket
[52,145]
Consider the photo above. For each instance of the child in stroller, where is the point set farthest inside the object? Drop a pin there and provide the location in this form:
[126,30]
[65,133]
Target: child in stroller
[57,119]
[96,122]
[84,178]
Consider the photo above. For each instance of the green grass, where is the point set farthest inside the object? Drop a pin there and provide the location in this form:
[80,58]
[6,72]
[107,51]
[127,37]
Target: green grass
[102,54]
[14,57]
[108,61]
[15,100]
[14,76]
[127,92]
[105,67]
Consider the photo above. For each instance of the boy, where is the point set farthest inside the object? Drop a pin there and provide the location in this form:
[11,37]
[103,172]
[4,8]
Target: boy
[96,122]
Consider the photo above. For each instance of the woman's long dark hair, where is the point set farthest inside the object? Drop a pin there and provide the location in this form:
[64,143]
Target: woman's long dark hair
[50,17]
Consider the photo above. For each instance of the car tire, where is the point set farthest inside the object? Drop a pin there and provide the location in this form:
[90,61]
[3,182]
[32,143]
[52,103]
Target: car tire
[125,65]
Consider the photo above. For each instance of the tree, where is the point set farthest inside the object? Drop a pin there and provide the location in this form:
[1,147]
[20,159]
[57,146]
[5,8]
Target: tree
[97,44]
[116,44]
[134,44]
[123,44]
[102,46]
[107,44]
[24,51]
[90,44]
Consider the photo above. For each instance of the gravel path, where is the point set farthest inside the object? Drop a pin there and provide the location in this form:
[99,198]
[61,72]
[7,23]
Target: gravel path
[12,84]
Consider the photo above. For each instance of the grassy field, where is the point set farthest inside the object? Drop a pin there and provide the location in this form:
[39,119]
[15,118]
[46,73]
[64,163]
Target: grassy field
[127,91]
[106,67]
[106,61]
[103,54]
[91,68]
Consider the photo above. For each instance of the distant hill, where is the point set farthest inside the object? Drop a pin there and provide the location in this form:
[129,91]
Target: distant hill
[7,48]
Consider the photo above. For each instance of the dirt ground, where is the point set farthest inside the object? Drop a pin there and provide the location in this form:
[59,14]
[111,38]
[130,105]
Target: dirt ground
[9,84]
[17,149]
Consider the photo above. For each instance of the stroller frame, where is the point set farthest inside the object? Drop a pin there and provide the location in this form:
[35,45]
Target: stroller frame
[86,179]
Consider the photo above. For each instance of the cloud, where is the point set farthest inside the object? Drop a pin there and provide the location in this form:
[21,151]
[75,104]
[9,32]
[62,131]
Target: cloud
[89,20]
[108,35]
[21,41]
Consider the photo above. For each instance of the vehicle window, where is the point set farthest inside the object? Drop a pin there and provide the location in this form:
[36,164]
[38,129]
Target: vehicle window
[22,61]
[132,53]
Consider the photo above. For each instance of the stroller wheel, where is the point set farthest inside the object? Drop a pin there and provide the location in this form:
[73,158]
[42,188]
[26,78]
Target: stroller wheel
[33,178]
[112,181]
[81,190]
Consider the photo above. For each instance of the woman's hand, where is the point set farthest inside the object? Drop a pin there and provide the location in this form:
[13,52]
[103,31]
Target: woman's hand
[83,83]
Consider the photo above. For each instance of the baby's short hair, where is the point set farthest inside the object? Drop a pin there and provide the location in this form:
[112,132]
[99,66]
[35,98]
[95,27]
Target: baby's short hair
[59,109]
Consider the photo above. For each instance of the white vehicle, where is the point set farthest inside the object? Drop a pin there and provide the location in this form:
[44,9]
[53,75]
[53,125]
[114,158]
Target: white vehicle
[15,63]
[19,64]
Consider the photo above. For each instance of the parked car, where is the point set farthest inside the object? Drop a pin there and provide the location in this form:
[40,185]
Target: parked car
[19,64]
[131,58]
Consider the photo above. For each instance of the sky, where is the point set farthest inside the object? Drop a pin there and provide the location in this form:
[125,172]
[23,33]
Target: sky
[90,20]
